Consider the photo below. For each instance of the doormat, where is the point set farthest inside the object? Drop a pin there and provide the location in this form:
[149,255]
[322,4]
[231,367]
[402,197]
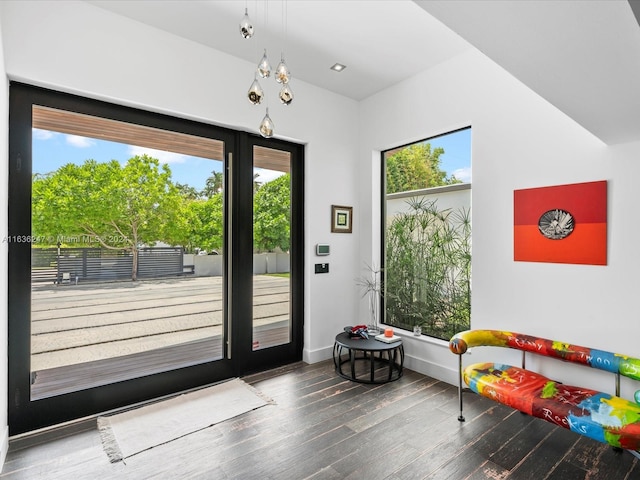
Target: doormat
[134,431]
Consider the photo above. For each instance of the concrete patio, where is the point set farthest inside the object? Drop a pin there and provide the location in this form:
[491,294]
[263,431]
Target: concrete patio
[91,334]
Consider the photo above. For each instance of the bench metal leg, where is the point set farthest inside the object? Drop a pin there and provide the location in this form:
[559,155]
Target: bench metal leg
[461,416]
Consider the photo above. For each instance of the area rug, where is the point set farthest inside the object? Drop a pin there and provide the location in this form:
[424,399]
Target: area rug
[134,431]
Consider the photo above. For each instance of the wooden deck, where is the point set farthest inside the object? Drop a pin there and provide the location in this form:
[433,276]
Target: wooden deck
[89,335]
[324,427]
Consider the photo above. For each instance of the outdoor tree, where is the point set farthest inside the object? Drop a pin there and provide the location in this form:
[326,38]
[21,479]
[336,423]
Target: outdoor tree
[256,182]
[117,207]
[416,167]
[188,191]
[272,215]
[205,229]
[213,185]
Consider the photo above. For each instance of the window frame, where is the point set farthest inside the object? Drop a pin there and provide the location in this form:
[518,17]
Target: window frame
[383,224]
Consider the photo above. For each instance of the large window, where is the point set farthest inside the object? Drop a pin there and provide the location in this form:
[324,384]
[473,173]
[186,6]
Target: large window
[427,236]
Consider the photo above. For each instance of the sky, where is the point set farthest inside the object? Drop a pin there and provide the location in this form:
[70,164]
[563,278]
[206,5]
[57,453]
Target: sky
[51,150]
[456,159]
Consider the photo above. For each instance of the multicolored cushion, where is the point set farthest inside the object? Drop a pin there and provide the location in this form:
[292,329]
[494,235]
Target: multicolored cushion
[597,415]
[600,359]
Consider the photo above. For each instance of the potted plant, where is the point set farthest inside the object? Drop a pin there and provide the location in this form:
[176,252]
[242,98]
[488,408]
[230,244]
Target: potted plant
[371,285]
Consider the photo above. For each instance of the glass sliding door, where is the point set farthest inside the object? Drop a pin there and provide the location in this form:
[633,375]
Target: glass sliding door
[131,255]
[271,247]
[126,270]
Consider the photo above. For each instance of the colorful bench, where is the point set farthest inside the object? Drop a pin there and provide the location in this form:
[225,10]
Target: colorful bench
[600,416]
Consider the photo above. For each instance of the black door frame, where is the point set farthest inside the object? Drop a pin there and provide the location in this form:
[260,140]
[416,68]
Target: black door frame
[242,254]
[26,415]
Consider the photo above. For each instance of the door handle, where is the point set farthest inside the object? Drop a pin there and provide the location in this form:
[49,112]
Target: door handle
[227,249]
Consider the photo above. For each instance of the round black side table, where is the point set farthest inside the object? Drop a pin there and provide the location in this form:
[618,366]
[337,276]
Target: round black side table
[369,348]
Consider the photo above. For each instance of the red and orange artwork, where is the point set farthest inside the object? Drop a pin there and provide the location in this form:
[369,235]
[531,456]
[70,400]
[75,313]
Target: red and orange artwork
[561,224]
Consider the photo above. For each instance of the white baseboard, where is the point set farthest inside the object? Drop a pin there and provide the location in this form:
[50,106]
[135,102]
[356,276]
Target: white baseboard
[319,355]
[433,370]
[4,446]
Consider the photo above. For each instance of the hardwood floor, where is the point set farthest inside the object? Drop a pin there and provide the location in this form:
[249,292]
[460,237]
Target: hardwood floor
[324,427]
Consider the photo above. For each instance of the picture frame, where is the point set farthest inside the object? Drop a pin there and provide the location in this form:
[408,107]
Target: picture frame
[341,219]
[561,224]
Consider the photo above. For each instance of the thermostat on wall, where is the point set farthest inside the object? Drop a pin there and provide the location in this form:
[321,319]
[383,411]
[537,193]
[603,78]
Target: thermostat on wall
[322,249]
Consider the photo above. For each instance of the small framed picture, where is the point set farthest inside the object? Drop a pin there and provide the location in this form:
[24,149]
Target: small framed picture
[341,219]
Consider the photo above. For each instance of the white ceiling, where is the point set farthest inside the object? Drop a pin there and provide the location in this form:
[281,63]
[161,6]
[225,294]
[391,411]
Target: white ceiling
[583,56]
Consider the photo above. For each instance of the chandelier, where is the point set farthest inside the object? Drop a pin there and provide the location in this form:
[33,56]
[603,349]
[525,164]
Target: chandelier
[282,75]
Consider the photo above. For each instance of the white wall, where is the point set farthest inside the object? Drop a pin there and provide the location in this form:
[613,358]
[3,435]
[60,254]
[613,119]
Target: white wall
[4,248]
[449,197]
[518,141]
[78,48]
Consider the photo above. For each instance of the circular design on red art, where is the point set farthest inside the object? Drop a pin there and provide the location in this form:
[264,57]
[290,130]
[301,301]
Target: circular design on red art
[556,224]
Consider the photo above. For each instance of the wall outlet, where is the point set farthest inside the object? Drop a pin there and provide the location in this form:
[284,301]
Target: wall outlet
[322,268]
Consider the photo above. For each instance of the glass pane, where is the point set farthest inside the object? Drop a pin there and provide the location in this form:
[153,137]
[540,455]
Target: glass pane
[126,235]
[427,264]
[271,244]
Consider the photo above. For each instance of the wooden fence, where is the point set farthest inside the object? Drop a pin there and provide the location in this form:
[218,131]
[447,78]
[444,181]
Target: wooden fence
[72,265]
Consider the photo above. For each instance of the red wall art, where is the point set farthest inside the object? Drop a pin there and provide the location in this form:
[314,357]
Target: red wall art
[561,224]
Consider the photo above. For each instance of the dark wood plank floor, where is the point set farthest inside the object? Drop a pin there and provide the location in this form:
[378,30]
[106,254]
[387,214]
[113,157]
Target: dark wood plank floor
[324,427]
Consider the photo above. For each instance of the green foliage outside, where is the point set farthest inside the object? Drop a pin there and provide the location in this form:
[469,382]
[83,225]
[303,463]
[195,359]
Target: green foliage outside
[127,207]
[108,205]
[428,269]
[204,230]
[272,215]
[428,252]
[213,185]
[416,167]
[279,275]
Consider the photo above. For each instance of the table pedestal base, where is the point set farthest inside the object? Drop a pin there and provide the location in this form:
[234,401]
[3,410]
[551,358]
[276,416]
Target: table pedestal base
[369,366]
